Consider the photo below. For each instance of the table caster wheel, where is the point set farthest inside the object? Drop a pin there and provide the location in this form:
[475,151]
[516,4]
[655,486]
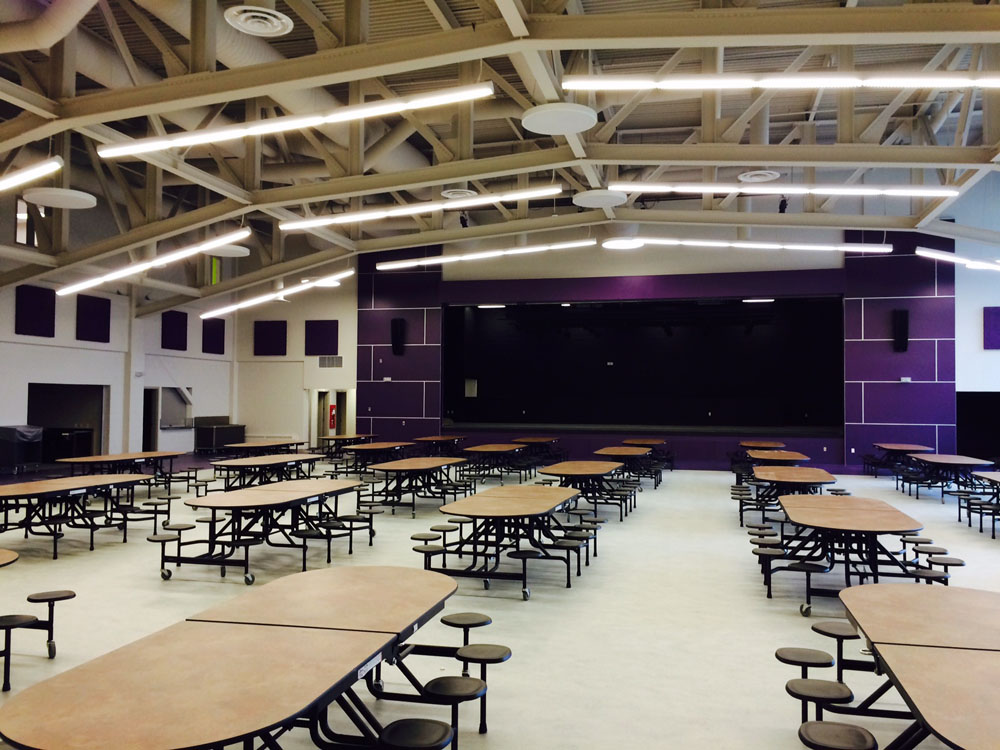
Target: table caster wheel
[165,574]
[486,584]
[805,609]
[51,645]
[525,594]
[249,578]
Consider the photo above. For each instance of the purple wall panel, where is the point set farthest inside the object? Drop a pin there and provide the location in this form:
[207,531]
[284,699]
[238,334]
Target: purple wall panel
[432,323]
[373,326]
[364,363]
[853,318]
[418,289]
[910,403]
[861,436]
[853,402]
[416,363]
[947,439]
[991,328]
[432,399]
[930,317]
[890,276]
[390,399]
[395,429]
[364,425]
[946,360]
[875,360]
[946,279]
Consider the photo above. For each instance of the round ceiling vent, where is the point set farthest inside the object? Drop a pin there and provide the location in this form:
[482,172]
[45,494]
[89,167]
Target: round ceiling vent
[559,118]
[229,251]
[599,198]
[257,21]
[759,175]
[453,194]
[54,197]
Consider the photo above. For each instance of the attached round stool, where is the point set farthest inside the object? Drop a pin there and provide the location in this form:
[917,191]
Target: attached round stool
[451,691]
[832,735]
[415,734]
[821,692]
[179,529]
[428,551]
[523,555]
[841,631]
[444,529]
[7,624]
[483,654]
[765,541]
[766,555]
[929,575]
[466,621]
[945,562]
[163,540]
[838,491]
[424,536]
[805,658]
[50,598]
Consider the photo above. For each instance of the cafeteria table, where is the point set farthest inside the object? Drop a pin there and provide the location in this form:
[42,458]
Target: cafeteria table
[269,514]
[946,469]
[438,444]
[591,479]
[786,480]
[491,457]
[262,447]
[245,472]
[991,480]
[764,444]
[372,453]
[843,531]
[505,519]
[162,463]
[940,647]
[335,443]
[777,457]
[897,450]
[272,663]
[46,507]
[416,477]
[635,459]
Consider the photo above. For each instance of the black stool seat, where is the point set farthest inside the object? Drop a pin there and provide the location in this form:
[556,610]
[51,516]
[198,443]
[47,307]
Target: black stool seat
[355,518]
[524,554]
[483,653]
[370,511]
[52,596]
[207,519]
[762,532]
[819,691]
[832,735]
[460,521]
[919,540]
[466,620]
[415,734]
[332,523]
[454,689]
[7,622]
[927,549]
[162,538]
[808,567]
[308,534]
[838,491]
[765,541]
[929,574]
[443,527]
[178,527]
[425,536]
[804,657]
[836,629]
[764,526]
[946,561]
[428,549]
[155,503]
[768,552]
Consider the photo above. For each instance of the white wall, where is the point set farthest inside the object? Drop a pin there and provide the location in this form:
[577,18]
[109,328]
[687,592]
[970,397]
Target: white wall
[277,396]
[976,368]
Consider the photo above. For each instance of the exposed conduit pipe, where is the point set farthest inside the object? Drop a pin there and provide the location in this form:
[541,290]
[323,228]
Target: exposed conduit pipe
[45,29]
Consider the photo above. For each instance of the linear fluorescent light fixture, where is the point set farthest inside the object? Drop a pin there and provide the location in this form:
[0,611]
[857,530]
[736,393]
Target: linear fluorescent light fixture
[412,209]
[637,243]
[774,188]
[976,265]
[157,262]
[946,257]
[940,80]
[758,300]
[298,122]
[30,174]
[438,260]
[325,282]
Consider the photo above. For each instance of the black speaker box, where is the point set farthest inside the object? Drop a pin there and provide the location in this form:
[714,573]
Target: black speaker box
[900,330]
[397,332]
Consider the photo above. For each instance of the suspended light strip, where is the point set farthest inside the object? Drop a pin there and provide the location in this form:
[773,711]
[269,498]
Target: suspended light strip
[157,262]
[441,259]
[325,282]
[946,257]
[297,122]
[29,174]
[712,188]
[758,300]
[806,81]
[412,209]
[981,266]
[636,243]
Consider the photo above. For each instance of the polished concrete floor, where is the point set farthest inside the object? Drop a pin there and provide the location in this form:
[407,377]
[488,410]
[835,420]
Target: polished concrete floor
[666,641]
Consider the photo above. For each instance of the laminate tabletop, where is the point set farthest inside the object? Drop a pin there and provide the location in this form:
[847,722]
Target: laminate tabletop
[993,477]
[793,475]
[193,684]
[494,448]
[335,438]
[7,557]
[365,447]
[308,487]
[862,515]
[513,502]
[384,599]
[947,459]
[68,485]
[270,495]
[761,444]
[276,459]
[580,468]
[629,451]
[831,501]
[426,463]
[438,438]
[902,447]
[265,443]
[117,457]
[536,440]
[777,455]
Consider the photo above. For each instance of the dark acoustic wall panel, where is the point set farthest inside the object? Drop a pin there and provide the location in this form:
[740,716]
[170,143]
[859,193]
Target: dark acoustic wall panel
[321,337]
[270,338]
[978,413]
[397,335]
[174,330]
[93,318]
[900,330]
[213,336]
[35,311]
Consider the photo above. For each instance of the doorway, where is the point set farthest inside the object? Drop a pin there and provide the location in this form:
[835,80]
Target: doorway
[150,418]
[322,413]
[73,418]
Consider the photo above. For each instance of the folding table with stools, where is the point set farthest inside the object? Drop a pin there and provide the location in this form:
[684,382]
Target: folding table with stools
[591,479]
[335,443]
[777,457]
[264,447]
[246,472]
[266,666]
[763,444]
[161,462]
[373,453]
[635,459]
[787,480]
[416,477]
[940,647]
[945,469]
[439,445]
[493,457]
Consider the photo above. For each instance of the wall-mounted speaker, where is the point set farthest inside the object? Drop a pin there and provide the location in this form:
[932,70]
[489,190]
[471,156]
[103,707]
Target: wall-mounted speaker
[397,332]
[900,330]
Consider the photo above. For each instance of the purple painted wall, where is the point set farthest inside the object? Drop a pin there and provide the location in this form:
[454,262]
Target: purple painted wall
[878,407]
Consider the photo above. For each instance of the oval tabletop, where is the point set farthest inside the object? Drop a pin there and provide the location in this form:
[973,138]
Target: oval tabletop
[793,475]
[993,477]
[511,502]
[7,557]
[69,485]
[359,436]
[271,460]
[855,514]
[903,447]
[439,438]
[629,451]
[417,464]
[116,457]
[308,487]
[264,443]
[536,440]
[761,444]
[948,459]
[494,448]
[649,442]
[580,468]
[365,447]
[777,455]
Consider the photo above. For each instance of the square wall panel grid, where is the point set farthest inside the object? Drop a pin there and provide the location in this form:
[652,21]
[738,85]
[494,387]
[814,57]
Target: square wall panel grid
[899,396]
[399,394]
